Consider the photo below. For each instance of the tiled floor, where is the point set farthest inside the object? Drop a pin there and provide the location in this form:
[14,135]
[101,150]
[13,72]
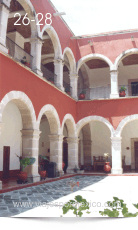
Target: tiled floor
[41,193]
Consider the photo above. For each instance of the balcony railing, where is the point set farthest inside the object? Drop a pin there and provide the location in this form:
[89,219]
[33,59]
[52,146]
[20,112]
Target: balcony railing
[18,53]
[47,74]
[95,92]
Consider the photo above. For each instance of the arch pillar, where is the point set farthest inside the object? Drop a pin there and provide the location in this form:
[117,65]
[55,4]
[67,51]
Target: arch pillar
[58,78]
[74,85]
[56,142]
[114,84]
[116,155]
[30,148]
[72,154]
[4,14]
[36,47]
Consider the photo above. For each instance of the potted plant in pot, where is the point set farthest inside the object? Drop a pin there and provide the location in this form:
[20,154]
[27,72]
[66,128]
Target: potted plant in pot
[51,80]
[107,167]
[41,171]
[24,60]
[82,95]
[122,91]
[24,162]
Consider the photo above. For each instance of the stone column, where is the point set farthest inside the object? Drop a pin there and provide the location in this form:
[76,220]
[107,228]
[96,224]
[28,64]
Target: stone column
[36,47]
[56,149]
[116,155]
[114,84]
[87,152]
[30,148]
[72,154]
[74,85]
[4,14]
[58,78]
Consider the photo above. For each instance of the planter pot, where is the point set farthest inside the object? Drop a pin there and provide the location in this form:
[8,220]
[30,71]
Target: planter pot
[28,65]
[122,94]
[63,165]
[51,82]
[68,93]
[82,96]
[107,167]
[42,174]
[22,176]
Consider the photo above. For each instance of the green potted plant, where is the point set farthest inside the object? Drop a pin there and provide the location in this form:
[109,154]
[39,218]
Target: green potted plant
[51,79]
[24,162]
[42,172]
[82,95]
[122,91]
[24,60]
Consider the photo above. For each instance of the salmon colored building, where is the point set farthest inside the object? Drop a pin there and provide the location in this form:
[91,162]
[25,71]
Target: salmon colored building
[61,95]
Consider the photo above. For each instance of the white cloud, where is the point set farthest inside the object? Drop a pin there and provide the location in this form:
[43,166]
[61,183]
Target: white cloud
[96,16]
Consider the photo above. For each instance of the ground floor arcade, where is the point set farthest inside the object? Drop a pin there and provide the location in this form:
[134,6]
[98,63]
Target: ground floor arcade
[75,144]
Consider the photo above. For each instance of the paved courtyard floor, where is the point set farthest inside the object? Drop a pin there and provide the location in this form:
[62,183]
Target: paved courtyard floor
[97,190]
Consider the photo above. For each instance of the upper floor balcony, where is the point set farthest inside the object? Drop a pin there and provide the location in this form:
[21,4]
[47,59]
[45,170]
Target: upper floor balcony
[43,55]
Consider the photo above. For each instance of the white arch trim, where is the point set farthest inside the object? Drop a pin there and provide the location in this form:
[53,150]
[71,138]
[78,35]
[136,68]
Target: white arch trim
[123,55]
[30,10]
[124,122]
[71,58]
[21,99]
[53,118]
[71,125]
[94,56]
[55,40]
[86,120]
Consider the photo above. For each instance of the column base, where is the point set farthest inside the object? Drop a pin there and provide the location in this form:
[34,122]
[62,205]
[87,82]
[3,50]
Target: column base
[4,48]
[75,97]
[117,171]
[114,95]
[39,72]
[0,184]
[60,87]
[33,178]
[71,170]
[61,173]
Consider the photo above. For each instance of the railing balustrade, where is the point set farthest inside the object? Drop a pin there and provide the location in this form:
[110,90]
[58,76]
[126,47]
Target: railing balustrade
[18,53]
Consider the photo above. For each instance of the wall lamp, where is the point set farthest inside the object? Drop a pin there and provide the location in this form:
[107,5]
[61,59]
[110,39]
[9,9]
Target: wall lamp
[132,38]
[90,43]
[59,14]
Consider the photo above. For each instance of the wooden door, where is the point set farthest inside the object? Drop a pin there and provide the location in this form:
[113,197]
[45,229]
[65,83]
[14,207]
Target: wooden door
[6,161]
[136,155]
[65,155]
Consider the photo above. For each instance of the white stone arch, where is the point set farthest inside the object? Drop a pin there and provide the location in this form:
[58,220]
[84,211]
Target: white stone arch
[86,120]
[24,105]
[53,119]
[124,122]
[93,56]
[71,59]
[123,55]
[30,10]
[71,126]
[55,40]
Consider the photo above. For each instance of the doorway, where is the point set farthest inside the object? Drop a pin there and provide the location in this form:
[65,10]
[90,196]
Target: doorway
[136,155]
[6,161]
[65,155]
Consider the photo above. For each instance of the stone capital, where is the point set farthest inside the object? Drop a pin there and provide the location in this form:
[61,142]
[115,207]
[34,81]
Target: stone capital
[36,39]
[73,75]
[72,140]
[28,133]
[115,72]
[55,138]
[58,61]
[5,3]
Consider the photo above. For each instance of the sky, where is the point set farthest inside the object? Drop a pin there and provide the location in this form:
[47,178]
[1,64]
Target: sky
[97,16]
